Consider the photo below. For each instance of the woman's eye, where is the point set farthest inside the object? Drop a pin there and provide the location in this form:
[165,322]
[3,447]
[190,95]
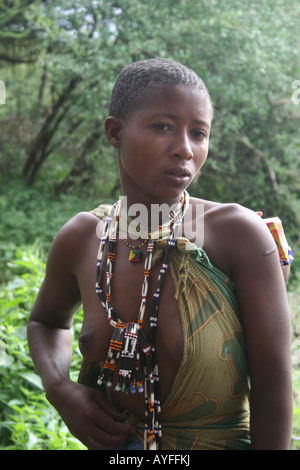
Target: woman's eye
[199,134]
[162,127]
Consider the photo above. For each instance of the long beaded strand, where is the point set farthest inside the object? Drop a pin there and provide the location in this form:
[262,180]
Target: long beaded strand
[129,339]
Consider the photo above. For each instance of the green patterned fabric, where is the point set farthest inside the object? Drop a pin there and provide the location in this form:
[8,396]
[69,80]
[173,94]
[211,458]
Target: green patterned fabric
[208,405]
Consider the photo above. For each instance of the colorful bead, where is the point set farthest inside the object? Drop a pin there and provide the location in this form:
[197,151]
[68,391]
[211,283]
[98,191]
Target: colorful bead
[129,340]
[135,256]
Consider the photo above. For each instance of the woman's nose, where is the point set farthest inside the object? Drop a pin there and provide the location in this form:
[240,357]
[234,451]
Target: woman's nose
[183,148]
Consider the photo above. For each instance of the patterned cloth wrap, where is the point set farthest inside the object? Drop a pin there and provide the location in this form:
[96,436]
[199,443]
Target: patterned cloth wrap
[208,405]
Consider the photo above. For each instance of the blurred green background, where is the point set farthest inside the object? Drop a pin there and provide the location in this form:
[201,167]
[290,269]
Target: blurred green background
[58,63]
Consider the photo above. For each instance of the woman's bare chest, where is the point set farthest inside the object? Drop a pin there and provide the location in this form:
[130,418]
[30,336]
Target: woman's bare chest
[126,296]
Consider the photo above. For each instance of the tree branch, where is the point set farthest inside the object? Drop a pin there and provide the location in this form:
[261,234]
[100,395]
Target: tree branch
[245,142]
[17,60]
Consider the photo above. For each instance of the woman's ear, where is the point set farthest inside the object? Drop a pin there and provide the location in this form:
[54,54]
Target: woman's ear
[113,128]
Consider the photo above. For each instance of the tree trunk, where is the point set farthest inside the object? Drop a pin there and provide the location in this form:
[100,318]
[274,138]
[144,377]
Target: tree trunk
[80,165]
[40,150]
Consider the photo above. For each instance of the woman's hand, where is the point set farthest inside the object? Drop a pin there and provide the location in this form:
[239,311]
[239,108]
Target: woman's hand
[89,416]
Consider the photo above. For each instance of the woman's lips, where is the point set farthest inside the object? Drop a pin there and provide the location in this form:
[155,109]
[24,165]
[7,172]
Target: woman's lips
[178,173]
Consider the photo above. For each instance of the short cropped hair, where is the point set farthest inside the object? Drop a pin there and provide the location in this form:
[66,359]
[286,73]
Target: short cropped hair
[135,82]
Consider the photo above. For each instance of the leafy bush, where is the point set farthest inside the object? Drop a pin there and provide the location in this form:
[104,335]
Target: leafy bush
[296,420]
[31,214]
[27,420]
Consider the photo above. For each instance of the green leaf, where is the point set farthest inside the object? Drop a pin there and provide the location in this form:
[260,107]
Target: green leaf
[33,379]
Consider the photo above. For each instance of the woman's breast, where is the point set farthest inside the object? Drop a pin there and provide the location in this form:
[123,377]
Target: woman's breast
[96,331]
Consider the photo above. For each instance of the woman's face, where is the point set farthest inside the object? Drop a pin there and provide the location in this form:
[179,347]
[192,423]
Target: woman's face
[164,144]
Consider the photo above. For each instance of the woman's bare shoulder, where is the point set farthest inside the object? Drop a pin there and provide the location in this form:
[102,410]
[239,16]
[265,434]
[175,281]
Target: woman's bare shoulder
[234,234]
[72,238]
[230,216]
[81,225]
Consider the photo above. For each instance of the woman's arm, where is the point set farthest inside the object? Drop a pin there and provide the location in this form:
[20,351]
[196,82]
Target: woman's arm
[265,313]
[87,413]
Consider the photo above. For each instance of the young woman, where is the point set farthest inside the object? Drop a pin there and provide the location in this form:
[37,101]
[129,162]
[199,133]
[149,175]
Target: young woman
[190,309]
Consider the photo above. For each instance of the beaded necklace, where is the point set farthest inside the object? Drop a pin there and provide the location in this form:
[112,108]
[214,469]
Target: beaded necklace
[135,254]
[129,342]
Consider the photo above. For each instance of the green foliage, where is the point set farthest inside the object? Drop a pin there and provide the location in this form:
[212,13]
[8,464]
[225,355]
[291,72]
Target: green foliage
[248,60]
[296,419]
[33,215]
[18,41]
[246,52]
[27,421]
[59,61]
[293,297]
